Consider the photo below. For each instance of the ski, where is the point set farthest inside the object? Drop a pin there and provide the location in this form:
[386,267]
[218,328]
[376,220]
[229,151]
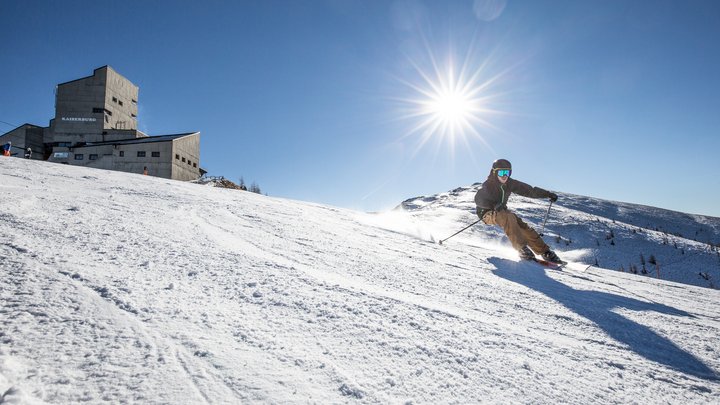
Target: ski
[549,264]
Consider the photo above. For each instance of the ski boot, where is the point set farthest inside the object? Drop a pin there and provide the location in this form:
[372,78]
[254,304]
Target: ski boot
[526,254]
[552,257]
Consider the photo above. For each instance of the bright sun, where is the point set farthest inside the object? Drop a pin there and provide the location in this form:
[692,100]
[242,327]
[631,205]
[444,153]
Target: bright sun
[451,105]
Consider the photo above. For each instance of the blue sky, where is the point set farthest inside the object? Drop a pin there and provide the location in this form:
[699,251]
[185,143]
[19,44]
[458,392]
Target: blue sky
[326,101]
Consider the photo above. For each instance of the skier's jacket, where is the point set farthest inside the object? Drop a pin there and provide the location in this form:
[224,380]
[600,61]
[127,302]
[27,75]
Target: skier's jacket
[493,195]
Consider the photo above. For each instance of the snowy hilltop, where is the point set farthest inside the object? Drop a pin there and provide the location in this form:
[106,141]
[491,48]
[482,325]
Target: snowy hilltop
[626,237]
[123,288]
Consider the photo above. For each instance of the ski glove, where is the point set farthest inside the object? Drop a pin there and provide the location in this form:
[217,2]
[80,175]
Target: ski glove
[553,197]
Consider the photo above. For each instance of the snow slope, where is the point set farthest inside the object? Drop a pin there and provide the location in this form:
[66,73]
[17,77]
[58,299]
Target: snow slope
[124,288]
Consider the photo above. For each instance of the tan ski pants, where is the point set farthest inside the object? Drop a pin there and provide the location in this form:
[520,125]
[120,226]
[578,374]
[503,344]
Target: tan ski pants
[519,233]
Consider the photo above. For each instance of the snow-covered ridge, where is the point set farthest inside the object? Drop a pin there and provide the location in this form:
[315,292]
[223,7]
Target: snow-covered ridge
[122,288]
[609,234]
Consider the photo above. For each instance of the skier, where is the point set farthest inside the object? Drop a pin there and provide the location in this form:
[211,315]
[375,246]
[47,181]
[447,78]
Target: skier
[6,148]
[28,153]
[491,200]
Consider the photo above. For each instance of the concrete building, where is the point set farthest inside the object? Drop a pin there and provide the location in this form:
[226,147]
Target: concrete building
[95,125]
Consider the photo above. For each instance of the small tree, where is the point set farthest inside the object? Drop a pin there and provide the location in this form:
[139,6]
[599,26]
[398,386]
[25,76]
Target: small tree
[642,262]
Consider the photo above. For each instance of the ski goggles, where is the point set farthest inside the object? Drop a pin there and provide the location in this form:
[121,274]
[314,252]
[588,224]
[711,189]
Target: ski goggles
[503,172]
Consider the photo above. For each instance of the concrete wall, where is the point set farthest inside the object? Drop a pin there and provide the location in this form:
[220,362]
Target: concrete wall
[175,159]
[186,157]
[103,157]
[132,163]
[123,157]
[86,107]
[74,103]
[121,99]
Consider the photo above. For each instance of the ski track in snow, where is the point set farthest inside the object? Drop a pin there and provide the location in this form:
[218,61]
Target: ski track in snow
[128,289]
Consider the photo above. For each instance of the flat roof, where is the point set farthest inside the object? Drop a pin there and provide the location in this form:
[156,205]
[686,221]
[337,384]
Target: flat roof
[147,139]
[108,67]
[20,126]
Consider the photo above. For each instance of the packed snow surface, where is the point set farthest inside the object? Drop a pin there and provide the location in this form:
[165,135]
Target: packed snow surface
[124,288]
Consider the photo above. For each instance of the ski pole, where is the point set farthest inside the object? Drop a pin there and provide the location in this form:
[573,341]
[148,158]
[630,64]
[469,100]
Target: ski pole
[545,220]
[443,240]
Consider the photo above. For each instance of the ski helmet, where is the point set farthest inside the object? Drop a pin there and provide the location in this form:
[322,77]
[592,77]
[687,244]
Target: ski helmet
[502,164]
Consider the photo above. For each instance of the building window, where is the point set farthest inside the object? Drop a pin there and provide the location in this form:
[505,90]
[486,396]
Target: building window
[141,153]
[194,164]
[122,153]
[79,156]
[183,160]
[177,157]
[120,102]
[108,112]
[114,99]
[156,154]
[134,101]
[92,156]
[133,115]
[189,162]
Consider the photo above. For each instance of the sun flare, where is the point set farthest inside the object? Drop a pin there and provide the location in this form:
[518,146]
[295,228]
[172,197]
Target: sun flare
[451,105]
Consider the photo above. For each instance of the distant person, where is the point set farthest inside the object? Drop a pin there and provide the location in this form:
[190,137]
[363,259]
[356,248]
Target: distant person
[28,153]
[243,188]
[491,200]
[6,148]
[145,171]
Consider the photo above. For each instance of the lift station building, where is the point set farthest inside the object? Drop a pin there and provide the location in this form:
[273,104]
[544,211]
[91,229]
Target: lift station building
[95,125]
